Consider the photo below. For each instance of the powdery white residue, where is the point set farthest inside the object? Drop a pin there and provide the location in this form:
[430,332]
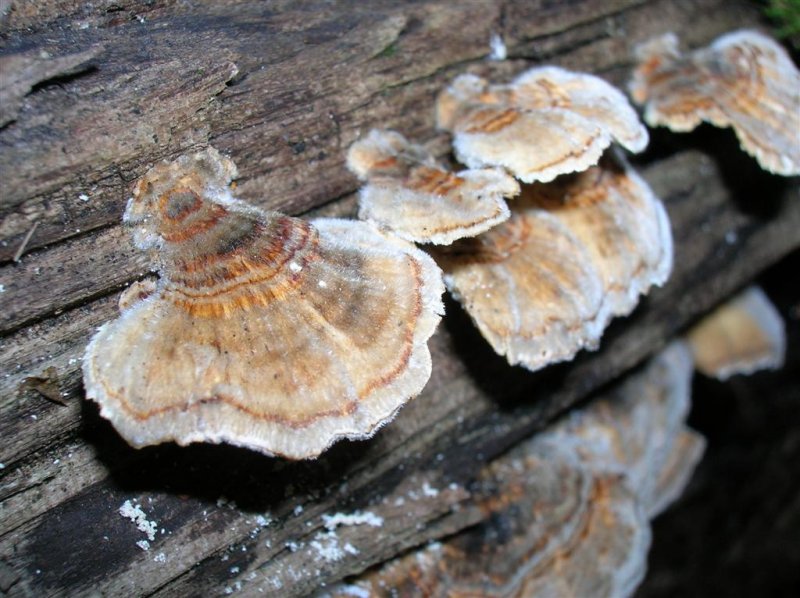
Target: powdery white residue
[160,558]
[352,590]
[331,522]
[135,514]
[293,574]
[427,490]
[262,521]
[143,544]
[327,546]
[497,47]
[294,546]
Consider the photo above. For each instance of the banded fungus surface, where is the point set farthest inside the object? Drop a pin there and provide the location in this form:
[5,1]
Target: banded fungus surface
[407,192]
[744,80]
[262,330]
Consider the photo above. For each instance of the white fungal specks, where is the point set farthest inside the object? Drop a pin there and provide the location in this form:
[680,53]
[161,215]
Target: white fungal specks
[135,513]
[497,48]
[331,522]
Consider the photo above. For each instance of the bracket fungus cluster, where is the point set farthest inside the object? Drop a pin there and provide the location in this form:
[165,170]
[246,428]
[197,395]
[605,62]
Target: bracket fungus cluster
[542,276]
[281,335]
[744,80]
[575,253]
[567,512]
[263,331]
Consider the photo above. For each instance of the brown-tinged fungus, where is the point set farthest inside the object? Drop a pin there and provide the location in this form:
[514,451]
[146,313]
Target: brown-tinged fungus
[263,330]
[567,512]
[547,122]
[639,429]
[743,80]
[551,527]
[575,253]
[410,194]
[742,336]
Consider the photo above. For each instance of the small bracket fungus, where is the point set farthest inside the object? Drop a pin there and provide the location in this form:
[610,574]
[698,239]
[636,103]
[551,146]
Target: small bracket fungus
[263,331]
[575,252]
[639,429]
[408,193]
[743,80]
[551,527]
[567,512]
[742,336]
[547,122]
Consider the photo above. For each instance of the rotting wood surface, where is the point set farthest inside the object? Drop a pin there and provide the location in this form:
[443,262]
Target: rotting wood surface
[284,88]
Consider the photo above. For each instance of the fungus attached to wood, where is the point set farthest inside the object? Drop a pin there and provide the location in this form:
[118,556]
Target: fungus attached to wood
[263,331]
[567,512]
[742,336]
[576,252]
[547,122]
[551,527]
[639,428]
[409,193]
[743,80]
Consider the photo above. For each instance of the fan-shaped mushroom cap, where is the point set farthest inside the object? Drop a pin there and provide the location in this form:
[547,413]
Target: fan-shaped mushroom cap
[742,336]
[548,122]
[743,80]
[576,252]
[408,193]
[552,527]
[639,429]
[566,512]
[263,331]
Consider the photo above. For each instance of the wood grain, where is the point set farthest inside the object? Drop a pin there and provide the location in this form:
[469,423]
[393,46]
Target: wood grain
[284,88]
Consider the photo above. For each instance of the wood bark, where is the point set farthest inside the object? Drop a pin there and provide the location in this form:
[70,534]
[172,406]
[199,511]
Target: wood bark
[284,87]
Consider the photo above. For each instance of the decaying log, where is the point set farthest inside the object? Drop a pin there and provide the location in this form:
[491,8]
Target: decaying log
[284,88]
